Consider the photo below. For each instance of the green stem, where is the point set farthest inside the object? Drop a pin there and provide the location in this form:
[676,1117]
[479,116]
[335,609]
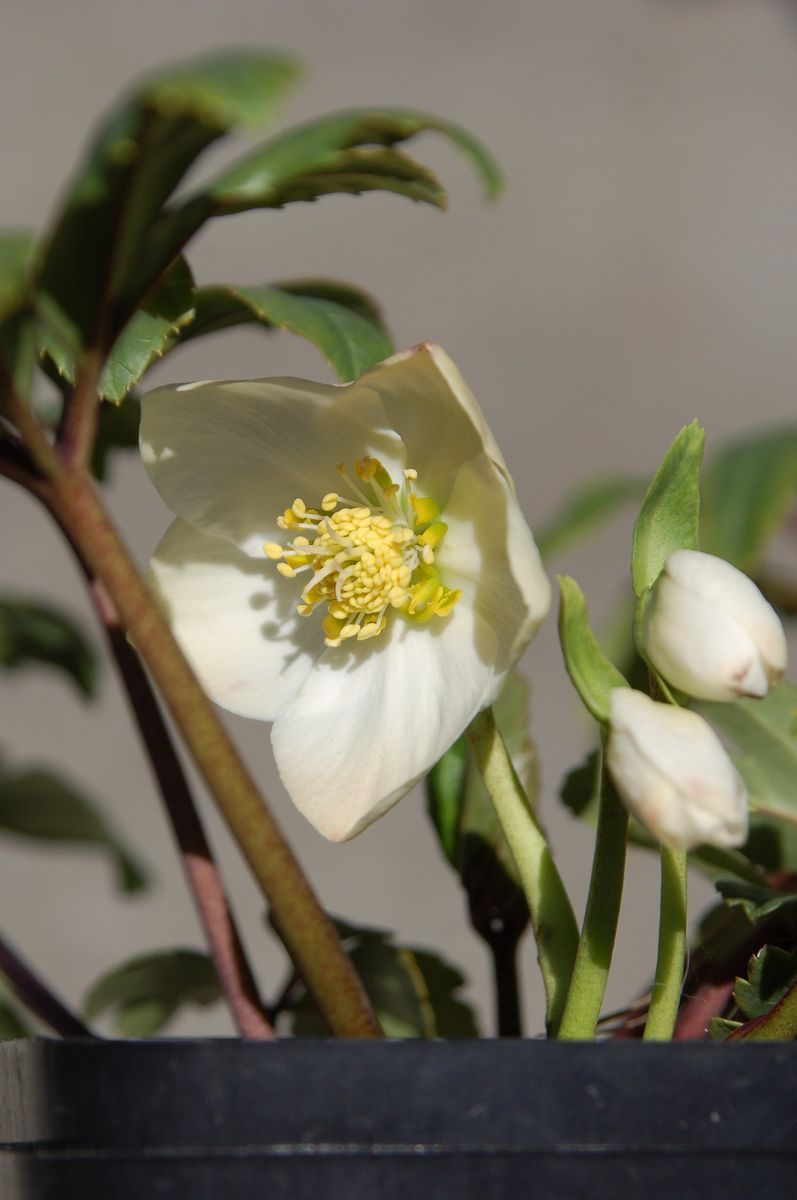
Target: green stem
[551,913]
[666,993]
[596,945]
[309,934]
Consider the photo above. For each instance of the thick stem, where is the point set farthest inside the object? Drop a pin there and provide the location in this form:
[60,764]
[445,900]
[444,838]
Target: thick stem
[596,945]
[310,935]
[36,996]
[202,873]
[666,993]
[78,429]
[552,916]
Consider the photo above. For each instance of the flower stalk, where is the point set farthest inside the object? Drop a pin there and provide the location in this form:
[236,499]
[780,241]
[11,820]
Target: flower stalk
[554,924]
[596,944]
[666,992]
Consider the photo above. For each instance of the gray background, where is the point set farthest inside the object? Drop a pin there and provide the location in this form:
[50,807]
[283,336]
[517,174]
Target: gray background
[640,271]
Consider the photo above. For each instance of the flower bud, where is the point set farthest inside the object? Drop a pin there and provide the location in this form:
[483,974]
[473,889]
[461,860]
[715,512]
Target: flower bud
[673,773]
[708,630]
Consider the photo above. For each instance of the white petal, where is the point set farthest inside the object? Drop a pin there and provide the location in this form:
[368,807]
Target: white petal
[371,720]
[489,553]
[431,407]
[729,590]
[229,457]
[235,620]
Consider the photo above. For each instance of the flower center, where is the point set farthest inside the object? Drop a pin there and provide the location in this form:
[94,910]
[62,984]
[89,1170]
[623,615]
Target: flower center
[366,555]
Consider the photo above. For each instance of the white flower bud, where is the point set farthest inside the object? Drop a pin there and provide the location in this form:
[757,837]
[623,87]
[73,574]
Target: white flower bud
[673,773]
[708,630]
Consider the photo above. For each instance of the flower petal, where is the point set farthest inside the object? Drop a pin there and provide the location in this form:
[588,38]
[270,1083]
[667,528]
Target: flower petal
[371,720]
[436,415]
[489,553]
[235,620]
[229,457]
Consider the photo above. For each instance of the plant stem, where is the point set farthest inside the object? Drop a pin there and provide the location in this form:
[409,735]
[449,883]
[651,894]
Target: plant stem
[552,916]
[78,429]
[201,871]
[596,945]
[36,996]
[666,992]
[504,948]
[310,935]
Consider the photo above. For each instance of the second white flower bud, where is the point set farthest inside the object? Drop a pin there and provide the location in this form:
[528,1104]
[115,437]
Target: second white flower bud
[673,773]
[709,631]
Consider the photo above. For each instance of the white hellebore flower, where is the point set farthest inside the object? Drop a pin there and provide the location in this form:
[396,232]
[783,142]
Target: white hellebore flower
[673,774]
[708,630]
[349,562]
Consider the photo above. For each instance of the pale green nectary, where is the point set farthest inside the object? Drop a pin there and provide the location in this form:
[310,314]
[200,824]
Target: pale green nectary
[709,631]
[673,773]
[349,562]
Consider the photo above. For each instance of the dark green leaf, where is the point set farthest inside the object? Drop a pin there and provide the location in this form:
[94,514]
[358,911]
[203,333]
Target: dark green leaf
[588,507]
[139,155]
[147,336]
[16,249]
[145,992]
[414,993]
[32,632]
[335,144]
[592,674]
[763,732]
[350,342]
[756,899]
[468,827]
[770,974]
[117,429]
[580,791]
[354,298]
[37,804]
[345,152]
[670,514]
[747,491]
[12,1024]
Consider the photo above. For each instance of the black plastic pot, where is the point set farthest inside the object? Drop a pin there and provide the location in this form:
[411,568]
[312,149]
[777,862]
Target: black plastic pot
[224,1120]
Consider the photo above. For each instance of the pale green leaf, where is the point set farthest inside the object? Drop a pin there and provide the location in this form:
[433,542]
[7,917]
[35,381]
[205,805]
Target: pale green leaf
[586,509]
[670,514]
[592,674]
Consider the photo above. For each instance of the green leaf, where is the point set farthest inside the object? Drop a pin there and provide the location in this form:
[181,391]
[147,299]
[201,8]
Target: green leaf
[414,993]
[145,992]
[670,515]
[467,825]
[763,732]
[345,152]
[139,155]
[770,974]
[720,1028]
[37,804]
[16,250]
[592,674]
[747,492]
[779,1024]
[117,429]
[587,508]
[150,332]
[40,633]
[12,1024]
[350,342]
[757,900]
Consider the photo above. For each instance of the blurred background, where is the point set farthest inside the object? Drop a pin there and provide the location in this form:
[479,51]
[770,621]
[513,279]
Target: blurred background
[641,270]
